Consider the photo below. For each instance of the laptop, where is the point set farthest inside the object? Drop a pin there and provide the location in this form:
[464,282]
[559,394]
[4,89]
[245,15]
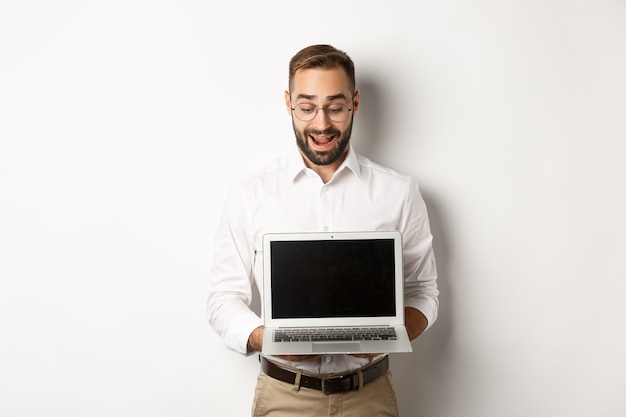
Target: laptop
[333,292]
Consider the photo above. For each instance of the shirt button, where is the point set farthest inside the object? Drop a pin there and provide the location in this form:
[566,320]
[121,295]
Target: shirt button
[326,228]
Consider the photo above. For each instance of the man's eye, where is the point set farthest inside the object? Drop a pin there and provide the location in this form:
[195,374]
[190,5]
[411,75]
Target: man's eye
[307,109]
[335,109]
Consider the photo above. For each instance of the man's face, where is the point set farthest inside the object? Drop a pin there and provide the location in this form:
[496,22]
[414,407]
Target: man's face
[321,140]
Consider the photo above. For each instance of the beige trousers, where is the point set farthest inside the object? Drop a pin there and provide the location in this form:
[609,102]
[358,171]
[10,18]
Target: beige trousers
[273,398]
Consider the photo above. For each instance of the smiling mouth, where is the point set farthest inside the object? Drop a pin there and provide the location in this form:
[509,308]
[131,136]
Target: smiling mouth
[322,141]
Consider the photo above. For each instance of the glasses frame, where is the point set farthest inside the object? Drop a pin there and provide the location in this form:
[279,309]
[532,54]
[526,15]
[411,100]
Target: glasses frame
[325,109]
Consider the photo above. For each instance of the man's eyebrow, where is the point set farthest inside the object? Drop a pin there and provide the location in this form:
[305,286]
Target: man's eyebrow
[329,98]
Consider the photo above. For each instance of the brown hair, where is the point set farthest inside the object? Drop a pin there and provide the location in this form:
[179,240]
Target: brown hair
[323,57]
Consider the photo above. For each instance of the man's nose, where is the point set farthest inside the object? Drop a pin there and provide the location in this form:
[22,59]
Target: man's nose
[321,119]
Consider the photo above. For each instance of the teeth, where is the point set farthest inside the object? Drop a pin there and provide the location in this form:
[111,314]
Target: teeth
[322,139]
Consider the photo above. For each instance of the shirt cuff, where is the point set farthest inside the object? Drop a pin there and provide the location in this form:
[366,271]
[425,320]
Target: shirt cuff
[237,340]
[427,306]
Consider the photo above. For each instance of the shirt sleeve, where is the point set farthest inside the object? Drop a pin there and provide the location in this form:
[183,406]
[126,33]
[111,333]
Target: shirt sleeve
[420,271]
[231,278]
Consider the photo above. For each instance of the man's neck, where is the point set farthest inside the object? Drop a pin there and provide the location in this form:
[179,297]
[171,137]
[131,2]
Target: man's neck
[325,172]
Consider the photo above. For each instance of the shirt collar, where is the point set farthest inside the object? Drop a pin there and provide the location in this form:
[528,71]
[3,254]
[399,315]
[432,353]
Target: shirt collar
[296,163]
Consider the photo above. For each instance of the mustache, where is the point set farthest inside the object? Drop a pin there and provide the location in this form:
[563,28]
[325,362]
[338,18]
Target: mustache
[326,132]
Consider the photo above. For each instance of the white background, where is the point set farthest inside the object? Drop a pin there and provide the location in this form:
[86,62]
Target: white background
[122,124]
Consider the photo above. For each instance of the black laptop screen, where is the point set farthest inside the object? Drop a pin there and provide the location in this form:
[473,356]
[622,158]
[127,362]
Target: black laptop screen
[333,278]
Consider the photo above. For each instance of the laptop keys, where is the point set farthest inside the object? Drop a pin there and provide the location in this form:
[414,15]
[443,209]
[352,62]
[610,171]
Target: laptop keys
[334,334]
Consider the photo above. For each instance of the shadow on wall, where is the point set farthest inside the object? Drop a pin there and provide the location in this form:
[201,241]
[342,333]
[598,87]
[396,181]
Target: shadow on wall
[369,122]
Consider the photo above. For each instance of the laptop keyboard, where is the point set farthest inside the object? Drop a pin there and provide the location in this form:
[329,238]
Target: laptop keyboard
[335,334]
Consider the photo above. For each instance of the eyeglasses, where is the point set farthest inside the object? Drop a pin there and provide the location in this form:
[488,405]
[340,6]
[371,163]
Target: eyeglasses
[335,112]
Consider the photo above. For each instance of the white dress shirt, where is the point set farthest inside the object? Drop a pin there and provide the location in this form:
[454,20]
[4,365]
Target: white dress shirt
[286,196]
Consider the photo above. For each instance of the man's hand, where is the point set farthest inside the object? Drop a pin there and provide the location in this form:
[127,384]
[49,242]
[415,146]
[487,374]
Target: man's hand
[255,340]
[415,322]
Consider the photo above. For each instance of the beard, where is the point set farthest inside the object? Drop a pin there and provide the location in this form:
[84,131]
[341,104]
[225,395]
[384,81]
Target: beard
[342,140]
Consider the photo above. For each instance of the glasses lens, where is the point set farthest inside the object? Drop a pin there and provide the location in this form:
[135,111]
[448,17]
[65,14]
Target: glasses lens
[307,112]
[337,112]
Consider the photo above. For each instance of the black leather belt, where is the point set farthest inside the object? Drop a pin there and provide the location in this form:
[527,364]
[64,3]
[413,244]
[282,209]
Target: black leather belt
[333,385]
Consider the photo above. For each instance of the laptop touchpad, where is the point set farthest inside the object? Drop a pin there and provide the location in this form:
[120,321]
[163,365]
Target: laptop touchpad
[336,347]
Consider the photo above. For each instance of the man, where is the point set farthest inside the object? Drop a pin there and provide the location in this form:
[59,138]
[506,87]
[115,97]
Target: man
[322,185]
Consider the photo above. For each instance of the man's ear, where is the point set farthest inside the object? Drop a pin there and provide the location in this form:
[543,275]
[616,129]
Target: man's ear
[288,102]
[357,98]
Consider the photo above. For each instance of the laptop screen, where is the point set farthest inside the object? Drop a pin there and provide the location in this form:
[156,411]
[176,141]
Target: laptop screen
[333,278]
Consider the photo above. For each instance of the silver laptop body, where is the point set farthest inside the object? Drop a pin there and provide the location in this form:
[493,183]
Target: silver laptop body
[333,292]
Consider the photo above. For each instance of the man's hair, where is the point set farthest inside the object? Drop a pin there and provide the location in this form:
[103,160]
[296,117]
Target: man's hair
[321,57]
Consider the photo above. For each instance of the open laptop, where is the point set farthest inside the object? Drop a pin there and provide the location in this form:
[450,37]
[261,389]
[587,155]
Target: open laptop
[333,292]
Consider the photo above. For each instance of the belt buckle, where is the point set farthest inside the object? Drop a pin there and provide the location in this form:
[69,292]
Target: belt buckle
[325,388]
